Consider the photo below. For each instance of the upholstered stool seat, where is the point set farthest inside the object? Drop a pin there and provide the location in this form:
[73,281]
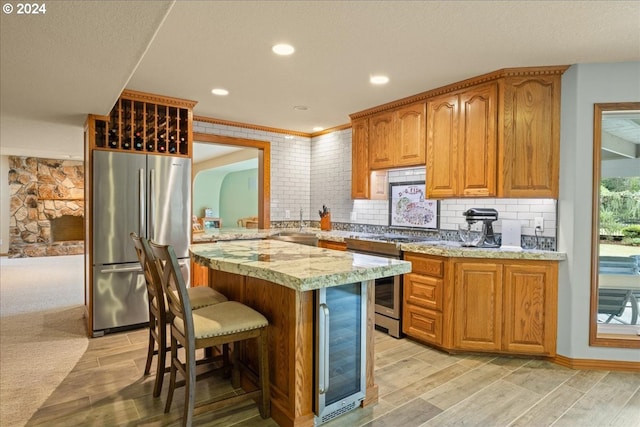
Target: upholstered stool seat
[203,296]
[223,319]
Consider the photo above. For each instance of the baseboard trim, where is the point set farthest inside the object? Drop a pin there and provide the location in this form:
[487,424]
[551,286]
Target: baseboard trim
[595,364]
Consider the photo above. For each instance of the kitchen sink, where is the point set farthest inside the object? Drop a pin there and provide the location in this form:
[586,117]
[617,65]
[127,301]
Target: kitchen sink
[300,237]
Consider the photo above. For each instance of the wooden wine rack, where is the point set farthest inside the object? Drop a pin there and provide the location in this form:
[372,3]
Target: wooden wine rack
[144,123]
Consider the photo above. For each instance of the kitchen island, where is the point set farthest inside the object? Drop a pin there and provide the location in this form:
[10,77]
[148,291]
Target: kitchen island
[281,280]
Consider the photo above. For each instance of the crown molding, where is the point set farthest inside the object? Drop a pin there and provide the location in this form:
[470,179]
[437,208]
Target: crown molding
[484,78]
[157,99]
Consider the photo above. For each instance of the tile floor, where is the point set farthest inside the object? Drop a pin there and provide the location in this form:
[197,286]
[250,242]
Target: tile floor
[419,386]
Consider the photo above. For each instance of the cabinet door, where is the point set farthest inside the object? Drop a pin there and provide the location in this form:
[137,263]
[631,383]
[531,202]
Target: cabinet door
[381,135]
[530,295]
[477,306]
[442,146]
[360,159]
[477,146]
[411,134]
[530,148]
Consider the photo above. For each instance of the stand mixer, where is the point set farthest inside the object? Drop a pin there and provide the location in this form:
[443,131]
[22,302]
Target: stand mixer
[488,217]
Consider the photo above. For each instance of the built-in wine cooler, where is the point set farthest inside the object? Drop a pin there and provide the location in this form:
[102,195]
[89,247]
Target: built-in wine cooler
[340,350]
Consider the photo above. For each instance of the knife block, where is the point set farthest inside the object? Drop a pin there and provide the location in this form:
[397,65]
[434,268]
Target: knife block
[325,222]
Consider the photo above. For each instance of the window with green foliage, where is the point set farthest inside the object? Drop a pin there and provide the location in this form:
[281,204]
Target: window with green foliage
[620,209]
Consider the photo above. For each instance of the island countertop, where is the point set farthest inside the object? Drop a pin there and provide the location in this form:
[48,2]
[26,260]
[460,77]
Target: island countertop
[299,267]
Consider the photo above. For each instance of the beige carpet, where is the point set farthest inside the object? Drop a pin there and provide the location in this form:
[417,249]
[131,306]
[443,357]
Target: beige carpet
[42,334]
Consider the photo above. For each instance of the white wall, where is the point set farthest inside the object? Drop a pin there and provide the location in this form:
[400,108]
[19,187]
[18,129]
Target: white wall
[582,86]
[290,168]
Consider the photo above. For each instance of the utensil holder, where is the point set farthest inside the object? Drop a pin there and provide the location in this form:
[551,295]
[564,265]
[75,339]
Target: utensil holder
[325,222]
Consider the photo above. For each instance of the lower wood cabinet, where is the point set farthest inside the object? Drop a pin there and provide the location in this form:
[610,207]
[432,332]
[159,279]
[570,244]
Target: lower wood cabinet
[485,305]
[199,274]
[423,301]
[477,306]
[529,307]
[329,244]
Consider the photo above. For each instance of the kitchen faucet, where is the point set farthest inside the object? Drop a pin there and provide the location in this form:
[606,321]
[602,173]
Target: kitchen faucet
[300,219]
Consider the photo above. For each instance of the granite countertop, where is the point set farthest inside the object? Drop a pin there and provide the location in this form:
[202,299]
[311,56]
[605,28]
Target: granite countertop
[430,247]
[456,250]
[295,266]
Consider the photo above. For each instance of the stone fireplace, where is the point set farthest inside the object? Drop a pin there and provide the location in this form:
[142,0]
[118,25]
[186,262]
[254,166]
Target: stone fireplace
[47,207]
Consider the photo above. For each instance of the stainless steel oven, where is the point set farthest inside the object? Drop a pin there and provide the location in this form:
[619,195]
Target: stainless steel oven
[388,290]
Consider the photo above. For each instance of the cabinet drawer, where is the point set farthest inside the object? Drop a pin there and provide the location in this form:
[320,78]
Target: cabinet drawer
[423,291]
[425,265]
[328,244]
[422,324]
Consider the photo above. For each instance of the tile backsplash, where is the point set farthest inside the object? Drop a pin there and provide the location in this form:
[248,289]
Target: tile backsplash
[310,172]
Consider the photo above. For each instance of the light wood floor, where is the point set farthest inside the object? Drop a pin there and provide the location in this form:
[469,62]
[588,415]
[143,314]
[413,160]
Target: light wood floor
[419,386]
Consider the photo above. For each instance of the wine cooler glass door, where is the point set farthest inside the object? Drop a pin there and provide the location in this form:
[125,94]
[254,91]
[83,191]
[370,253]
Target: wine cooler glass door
[341,355]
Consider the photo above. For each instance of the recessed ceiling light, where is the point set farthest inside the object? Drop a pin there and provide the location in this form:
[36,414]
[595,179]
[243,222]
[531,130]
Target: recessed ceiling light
[301,108]
[283,49]
[220,92]
[379,80]
[318,129]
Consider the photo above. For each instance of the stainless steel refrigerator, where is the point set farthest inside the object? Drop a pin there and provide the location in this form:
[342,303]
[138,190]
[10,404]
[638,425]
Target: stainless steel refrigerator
[148,194]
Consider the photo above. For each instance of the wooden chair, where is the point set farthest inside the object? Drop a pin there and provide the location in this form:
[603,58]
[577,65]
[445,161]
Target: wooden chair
[199,297]
[224,323]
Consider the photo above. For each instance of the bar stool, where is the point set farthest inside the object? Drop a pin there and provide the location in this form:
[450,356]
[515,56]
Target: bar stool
[200,297]
[223,323]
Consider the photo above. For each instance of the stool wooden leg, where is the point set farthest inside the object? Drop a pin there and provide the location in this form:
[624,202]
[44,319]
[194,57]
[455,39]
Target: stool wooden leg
[152,343]
[190,385]
[172,378]
[265,405]
[225,361]
[162,361]
[235,367]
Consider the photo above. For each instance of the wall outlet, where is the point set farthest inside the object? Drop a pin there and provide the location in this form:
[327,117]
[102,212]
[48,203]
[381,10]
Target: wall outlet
[287,214]
[539,223]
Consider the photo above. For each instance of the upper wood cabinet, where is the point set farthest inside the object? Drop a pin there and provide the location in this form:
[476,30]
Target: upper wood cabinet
[397,138]
[494,135]
[381,139]
[461,143]
[360,159]
[529,137]
[498,139]
[411,135]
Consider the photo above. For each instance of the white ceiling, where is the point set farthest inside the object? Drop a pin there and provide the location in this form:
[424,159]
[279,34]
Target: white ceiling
[76,59]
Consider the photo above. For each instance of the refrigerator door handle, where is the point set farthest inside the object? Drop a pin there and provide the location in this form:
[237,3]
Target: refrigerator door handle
[121,269]
[141,203]
[152,196]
